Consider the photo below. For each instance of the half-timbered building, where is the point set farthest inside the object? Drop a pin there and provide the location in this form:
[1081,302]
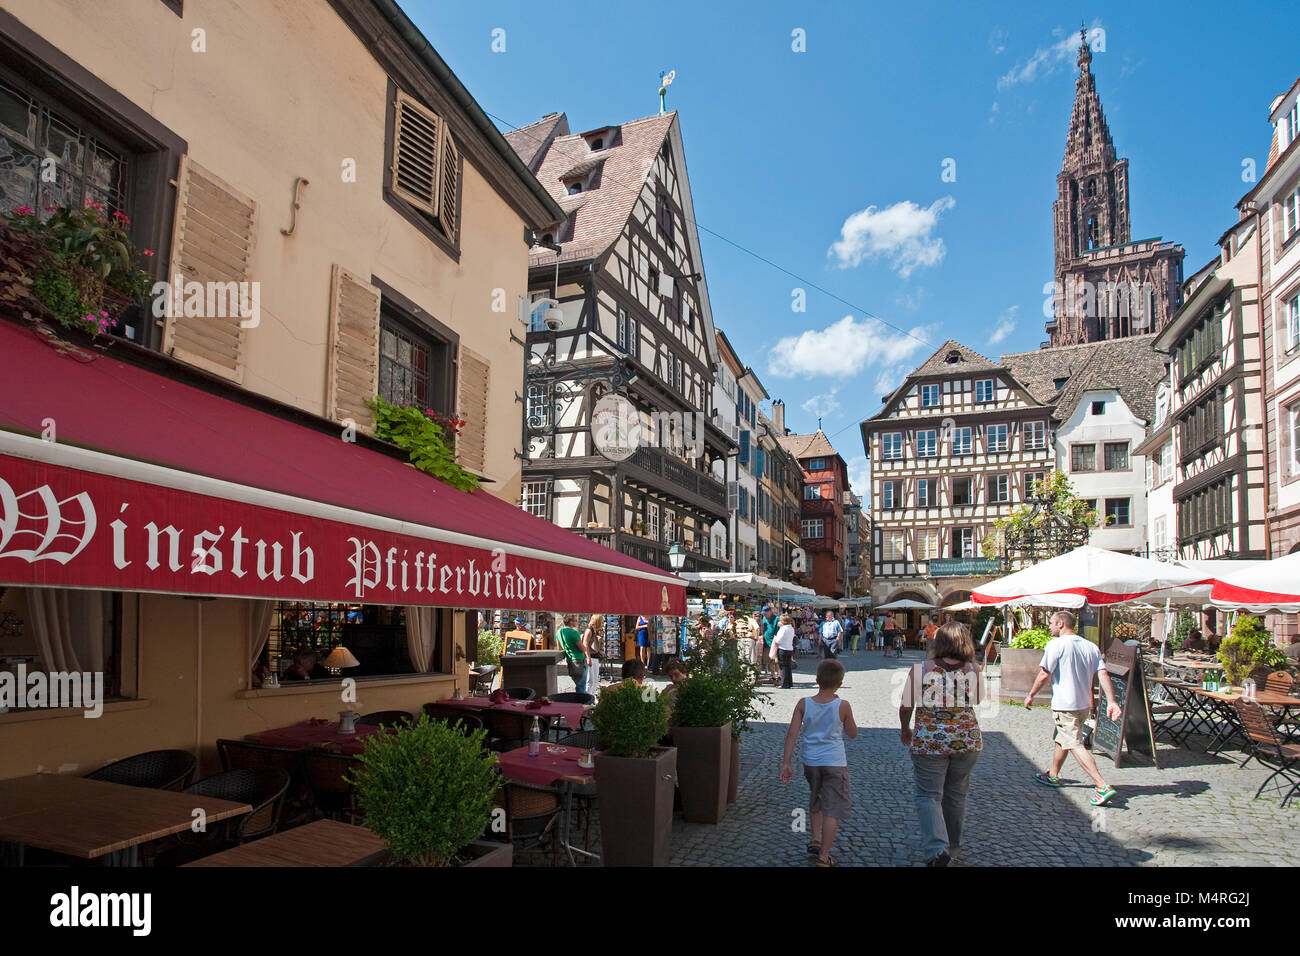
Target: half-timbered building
[953,450]
[627,321]
[824,533]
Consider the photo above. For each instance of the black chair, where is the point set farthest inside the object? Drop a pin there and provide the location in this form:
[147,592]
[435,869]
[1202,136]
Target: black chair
[481,680]
[509,729]
[388,718]
[455,717]
[532,813]
[520,693]
[155,770]
[264,790]
[586,739]
[329,777]
[244,755]
[574,698]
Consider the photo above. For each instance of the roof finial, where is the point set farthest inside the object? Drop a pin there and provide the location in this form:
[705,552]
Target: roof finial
[1085,54]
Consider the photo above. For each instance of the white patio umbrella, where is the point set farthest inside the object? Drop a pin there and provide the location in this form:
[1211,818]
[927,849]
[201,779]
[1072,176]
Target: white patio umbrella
[962,606]
[1095,576]
[906,604]
[1268,586]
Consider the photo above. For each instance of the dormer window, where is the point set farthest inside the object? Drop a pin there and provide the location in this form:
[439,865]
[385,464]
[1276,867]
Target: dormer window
[1059,383]
[953,357]
[597,143]
[575,187]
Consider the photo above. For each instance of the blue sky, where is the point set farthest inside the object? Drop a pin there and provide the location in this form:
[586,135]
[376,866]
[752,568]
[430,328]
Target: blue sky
[829,162]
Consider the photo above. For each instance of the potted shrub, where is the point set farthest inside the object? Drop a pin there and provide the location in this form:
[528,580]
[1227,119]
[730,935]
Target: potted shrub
[741,679]
[1249,652]
[427,790]
[703,739]
[635,777]
[1020,659]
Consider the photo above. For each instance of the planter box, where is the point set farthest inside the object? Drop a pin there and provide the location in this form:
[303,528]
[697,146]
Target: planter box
[490,853]
[636,807]
[1019,671]
[733,778]
[703,771]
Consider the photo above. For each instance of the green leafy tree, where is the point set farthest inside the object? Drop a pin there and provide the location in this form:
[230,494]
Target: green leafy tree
[1065,505]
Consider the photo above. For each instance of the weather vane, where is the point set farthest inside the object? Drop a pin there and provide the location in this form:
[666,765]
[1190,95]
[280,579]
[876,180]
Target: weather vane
[665,81]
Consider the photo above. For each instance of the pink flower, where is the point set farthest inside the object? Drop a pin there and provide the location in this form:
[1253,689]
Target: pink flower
[23,211]
[91,204]
[51,208]
[121,217]
[147,253]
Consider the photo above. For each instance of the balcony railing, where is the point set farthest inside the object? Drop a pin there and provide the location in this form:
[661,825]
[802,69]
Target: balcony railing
[656,553]
[681,477]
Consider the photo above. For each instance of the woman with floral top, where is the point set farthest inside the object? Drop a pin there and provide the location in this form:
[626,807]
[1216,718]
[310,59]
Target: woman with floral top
[945,742]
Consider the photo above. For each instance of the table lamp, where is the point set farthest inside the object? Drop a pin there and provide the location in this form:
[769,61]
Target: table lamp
[338,659]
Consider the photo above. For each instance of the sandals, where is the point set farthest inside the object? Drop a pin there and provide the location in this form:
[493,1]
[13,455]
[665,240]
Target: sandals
[1047,781]
[1101,797]
[829,861]
[814,848]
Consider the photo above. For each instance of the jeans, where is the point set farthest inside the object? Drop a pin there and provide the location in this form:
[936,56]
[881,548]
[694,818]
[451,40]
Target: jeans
[581,681]
[787,675]
[941,787]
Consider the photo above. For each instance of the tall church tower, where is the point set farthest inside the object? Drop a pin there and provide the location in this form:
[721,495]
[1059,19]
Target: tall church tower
[1107,285]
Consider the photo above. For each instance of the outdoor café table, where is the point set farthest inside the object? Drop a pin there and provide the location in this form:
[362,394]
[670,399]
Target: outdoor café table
[316,732]
[554,766]
[323,843]
[1198,713]
[89,819]
[572,713]
[1230,725]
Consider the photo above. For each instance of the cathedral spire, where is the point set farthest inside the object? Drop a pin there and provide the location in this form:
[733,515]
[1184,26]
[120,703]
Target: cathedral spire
[1085,54]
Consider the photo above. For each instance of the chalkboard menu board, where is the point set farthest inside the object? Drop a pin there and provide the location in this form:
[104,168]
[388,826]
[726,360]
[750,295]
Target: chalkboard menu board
[516,644]
[1132,732]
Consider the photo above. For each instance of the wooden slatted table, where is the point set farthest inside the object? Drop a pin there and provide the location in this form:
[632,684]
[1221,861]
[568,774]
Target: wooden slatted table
[323,843]
[93,818]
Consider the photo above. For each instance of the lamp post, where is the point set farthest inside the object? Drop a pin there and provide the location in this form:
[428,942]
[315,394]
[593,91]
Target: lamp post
[676,556]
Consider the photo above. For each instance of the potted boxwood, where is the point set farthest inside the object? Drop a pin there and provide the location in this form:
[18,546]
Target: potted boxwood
[635,777]
[1249,652]
[427,790]
[1020,659]
[703,739]
[741,680]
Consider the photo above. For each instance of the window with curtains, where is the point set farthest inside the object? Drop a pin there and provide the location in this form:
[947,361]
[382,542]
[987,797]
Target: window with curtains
[303,634]
[67,631]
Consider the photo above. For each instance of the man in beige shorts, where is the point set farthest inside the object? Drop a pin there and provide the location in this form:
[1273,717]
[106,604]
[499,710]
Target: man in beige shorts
[1070,662]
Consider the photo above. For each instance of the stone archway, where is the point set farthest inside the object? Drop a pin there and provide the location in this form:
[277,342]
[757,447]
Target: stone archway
[912,620]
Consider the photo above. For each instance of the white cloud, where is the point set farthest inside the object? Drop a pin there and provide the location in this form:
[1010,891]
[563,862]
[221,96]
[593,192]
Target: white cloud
[1006,325]
[821,406]
[1047,60]
[901,233]
[889,379]
[843,348]
[998,40]
[911,301]
[859,476]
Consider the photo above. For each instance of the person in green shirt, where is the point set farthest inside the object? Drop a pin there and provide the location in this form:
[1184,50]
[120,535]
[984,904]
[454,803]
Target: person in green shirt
[574,644]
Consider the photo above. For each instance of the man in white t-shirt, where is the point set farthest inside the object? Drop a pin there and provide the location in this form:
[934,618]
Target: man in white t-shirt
[1070,662]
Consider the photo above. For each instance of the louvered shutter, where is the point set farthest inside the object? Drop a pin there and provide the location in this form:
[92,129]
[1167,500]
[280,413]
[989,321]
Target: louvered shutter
[743,456]
[472,405]
[449,185]
[353,372]
[417,154]
[212,242]
[733,496]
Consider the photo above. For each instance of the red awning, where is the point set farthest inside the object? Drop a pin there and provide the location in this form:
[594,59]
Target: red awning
[115,477]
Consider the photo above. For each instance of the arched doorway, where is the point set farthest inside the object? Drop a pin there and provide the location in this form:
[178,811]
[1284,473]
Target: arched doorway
[911,620]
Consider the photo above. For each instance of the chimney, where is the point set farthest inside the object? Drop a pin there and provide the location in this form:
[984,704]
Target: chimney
[778,416]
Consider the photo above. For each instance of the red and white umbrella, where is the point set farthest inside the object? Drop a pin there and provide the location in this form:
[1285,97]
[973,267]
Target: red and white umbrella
[1268,586]
[1095,576]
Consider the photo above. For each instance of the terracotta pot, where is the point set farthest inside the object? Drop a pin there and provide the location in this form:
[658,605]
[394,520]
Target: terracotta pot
[1019,671]
[733,778]
[636,807]
[490,853]
[703,769]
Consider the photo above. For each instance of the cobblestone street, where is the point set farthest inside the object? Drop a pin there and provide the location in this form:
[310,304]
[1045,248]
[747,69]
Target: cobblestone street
[1195,811]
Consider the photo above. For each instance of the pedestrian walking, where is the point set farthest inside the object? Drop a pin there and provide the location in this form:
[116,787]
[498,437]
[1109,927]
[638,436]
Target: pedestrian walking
[783,650]
[868,632]
[831,631]
[643,640]
[577,655]
[771,624]
[823,720]
[1070,662]
[945,741]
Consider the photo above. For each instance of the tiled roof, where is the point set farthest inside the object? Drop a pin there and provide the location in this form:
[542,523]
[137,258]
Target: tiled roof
[531,141]
[968,360]
[605,209]
[1131,366]
[816,445]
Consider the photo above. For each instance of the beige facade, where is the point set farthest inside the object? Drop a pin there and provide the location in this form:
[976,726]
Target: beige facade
[221,119]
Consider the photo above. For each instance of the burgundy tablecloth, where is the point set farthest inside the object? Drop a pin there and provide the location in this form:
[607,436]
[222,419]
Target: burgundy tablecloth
[316,735]
[551,763]
[572,713]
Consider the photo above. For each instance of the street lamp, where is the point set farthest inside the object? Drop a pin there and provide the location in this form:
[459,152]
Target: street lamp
[676,556]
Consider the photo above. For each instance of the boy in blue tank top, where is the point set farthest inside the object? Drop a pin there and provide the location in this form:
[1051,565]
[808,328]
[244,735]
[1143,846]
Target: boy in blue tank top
[824,720]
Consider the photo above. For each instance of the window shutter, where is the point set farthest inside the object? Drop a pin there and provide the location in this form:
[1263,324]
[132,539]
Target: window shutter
[212,242]
[743,456]
[472,381]
[450,184]
[416,160]
[733,496]
[353,373]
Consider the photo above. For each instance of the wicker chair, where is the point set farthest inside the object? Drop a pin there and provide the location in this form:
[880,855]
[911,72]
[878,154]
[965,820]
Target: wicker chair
[586,739]
[520,693]
[263,789]
[386,718]
[299,803]
[482,679]
[454,716]
[1267,747]
[532,814]
[509,730]
[155,770]
[574,698]
[333,795]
